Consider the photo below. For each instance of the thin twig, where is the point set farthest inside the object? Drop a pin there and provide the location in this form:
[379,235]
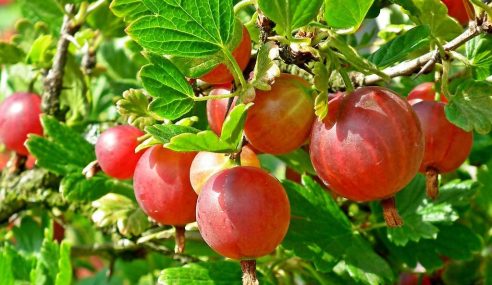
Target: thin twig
[53,83]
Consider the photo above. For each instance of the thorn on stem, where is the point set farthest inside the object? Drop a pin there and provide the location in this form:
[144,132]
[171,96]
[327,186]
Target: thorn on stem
[91,169]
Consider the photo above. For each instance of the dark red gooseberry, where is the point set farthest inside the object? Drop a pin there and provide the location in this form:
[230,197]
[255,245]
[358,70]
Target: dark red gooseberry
[243,213]
[221,74]
[446,145]
[424,92]
[280,119]
[19,116]
[369,147]
[115,151]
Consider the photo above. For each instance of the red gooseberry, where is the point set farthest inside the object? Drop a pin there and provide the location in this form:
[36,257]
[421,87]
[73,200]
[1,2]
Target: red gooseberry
[19,117]
[220,74]
[206,164]
[368,147]
[424,92]
[446,145]
[115,151]
[461,10]
[280,119]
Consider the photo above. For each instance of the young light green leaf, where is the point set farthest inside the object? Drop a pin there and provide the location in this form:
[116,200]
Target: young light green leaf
[479,53]
[6,268]
[173,95]
[290,15]
[219,273]
[40,53]
[232,129]
[184,28]
[202,141]
[266,70]
[64,276]
[134,108]
[399,48]
[321,82]
[130,10]
[164,133]
[435,14]
[10,54]
[471,107]
[344,14]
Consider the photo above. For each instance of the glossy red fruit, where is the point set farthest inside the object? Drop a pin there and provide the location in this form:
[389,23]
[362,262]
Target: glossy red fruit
[446,145]
[217,110]
[369,147]
[30,162]
[115,151]
[19,116]
[243,213]
[220,74]
[206,164]
[162,186]
[424,92]
[461,10]
[280,119]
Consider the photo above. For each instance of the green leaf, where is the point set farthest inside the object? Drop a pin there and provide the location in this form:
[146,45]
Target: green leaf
[204,273]
[64,276]
[232,129]
[29,235]
[298,160]
[76,188]
[343,14]
[41,51]
[289,15]
[435,14]
[202,141]
[48,11]
[399,48]
[321,82]
[10,54]
[471,107]
[173,95]
[6,272]
[184,28]
[130,10]
[320,231]
[266,70]
[62,150]
[164,133]
[479,53]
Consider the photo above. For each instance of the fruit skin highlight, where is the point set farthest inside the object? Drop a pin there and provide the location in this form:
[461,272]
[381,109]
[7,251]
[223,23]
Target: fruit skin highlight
[206,164]
[369,147]
[115,151]
[446,145]
[162,186]
[221,74]
[19,117]
[243,213]
[280,119]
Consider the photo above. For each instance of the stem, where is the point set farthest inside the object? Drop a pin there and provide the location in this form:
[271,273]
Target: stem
[91,169]
[446,65]
[432,182]
[53,83]
[249,272]
[234,68]
[242,5]
[346,79]
[179,239]
[17,163]
[411,66]
[390,213]
[215,97]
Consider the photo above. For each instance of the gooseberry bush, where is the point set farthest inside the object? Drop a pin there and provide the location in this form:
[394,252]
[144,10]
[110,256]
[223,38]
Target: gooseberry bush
[245,142]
